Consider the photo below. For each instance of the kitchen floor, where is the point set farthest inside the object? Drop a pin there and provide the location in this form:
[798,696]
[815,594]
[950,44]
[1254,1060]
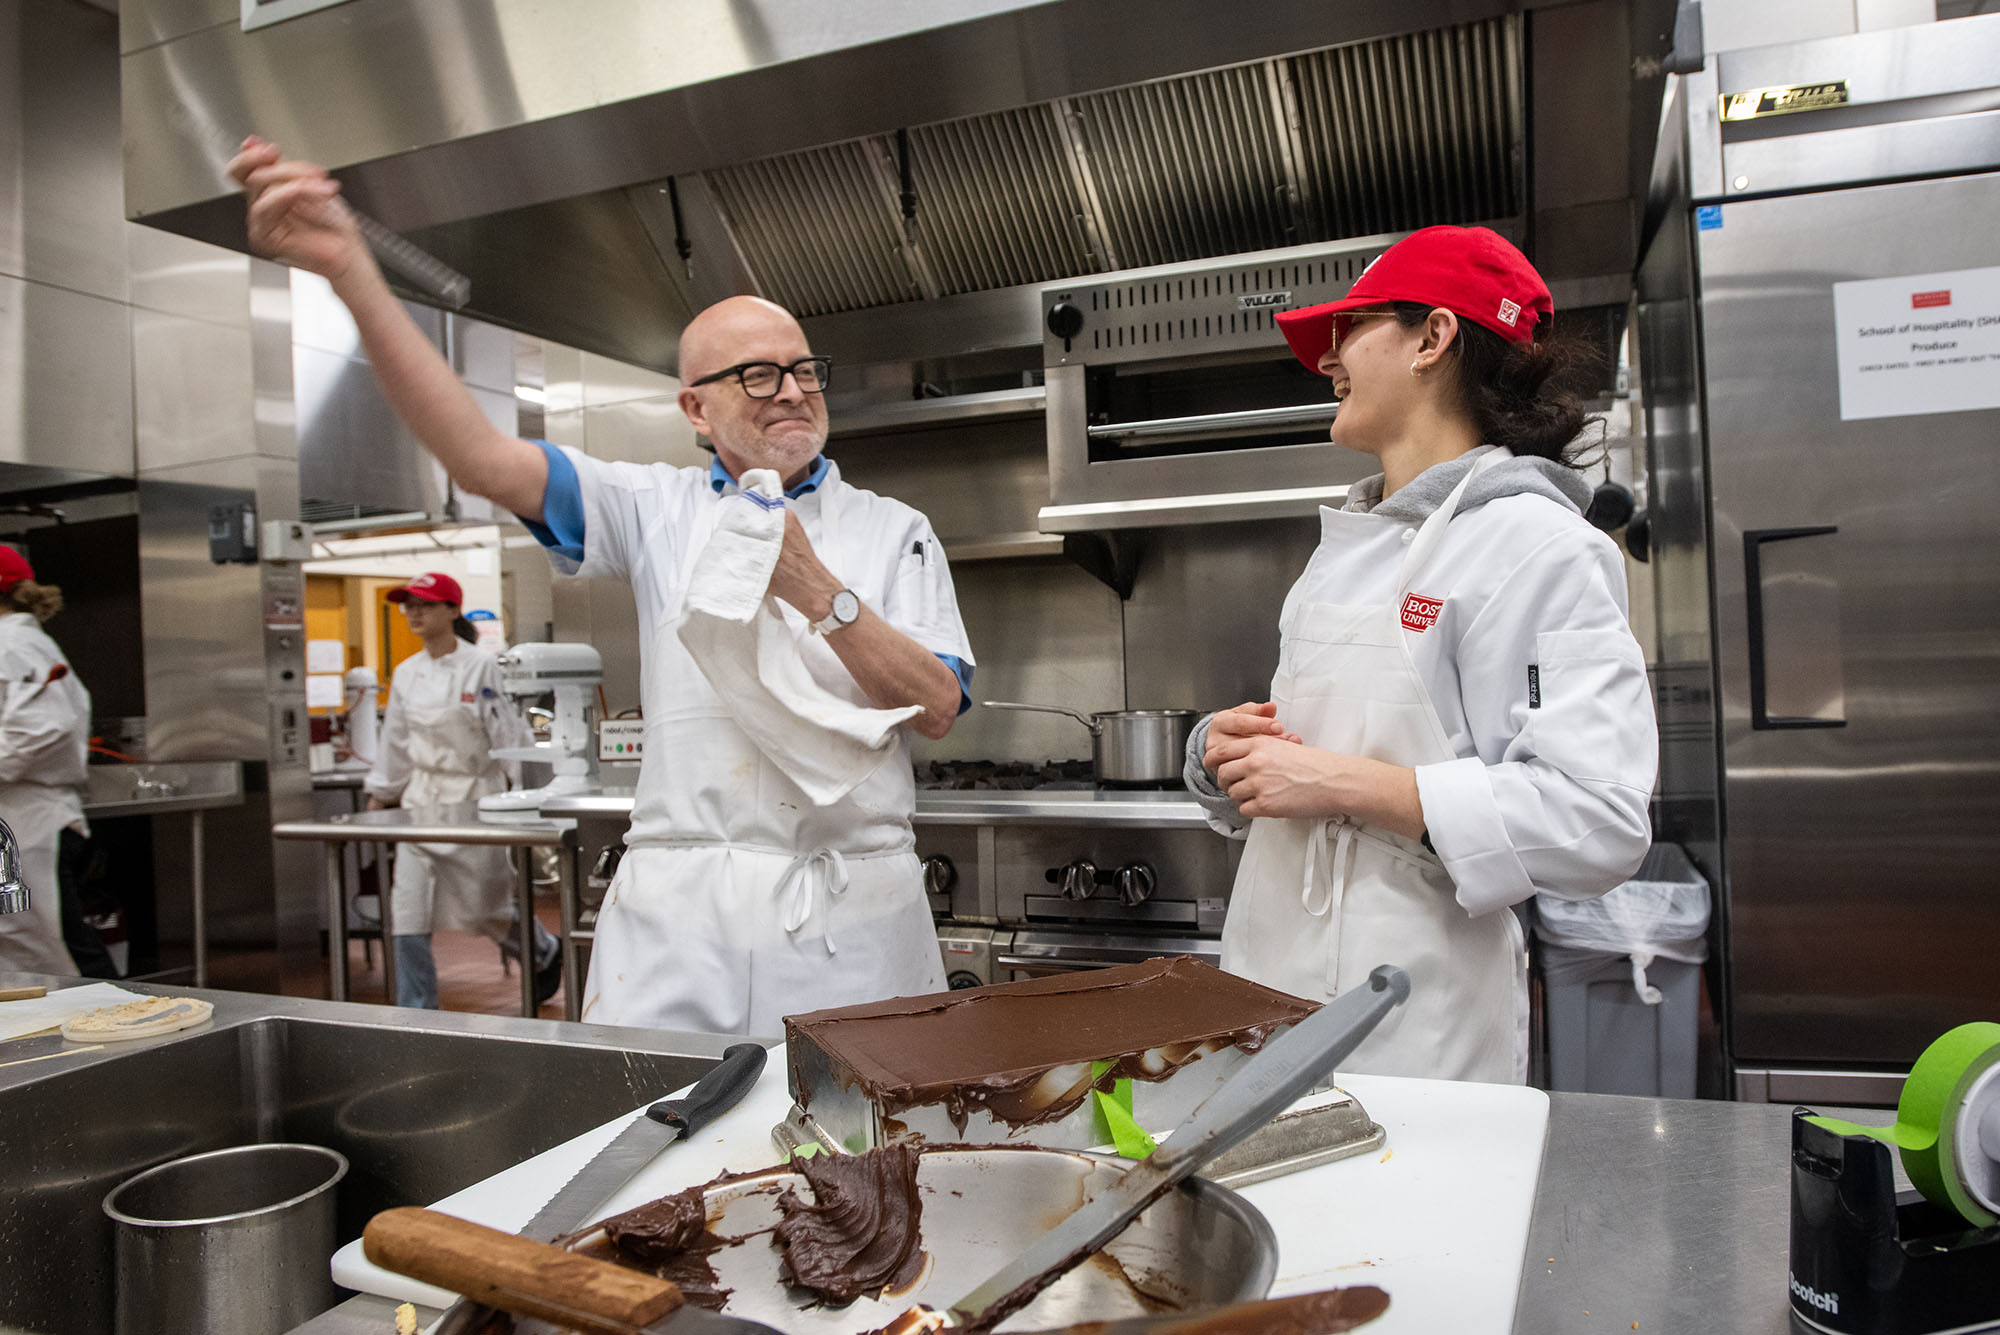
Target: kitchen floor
[470,975]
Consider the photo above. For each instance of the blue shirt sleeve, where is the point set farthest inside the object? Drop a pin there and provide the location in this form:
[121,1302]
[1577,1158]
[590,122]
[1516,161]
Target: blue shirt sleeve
[561,529]
[963,671]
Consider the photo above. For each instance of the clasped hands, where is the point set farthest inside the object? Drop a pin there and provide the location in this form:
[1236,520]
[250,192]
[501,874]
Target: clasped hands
[1268,770]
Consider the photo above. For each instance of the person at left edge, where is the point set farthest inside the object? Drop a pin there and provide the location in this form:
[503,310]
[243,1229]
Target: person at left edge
[44,737]
[446,715]
[740,900]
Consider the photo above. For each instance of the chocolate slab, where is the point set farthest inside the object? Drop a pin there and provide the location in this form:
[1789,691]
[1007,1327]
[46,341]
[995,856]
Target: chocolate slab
[1023,1052]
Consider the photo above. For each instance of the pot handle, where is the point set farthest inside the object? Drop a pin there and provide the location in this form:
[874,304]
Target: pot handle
[1091,724]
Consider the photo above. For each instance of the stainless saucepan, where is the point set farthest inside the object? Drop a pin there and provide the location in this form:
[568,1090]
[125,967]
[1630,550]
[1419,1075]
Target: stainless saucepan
[1129,746]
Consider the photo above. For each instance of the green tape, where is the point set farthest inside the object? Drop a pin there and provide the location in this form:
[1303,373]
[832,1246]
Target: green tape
[1114,1115]
[1127,1136]
[1926,1131]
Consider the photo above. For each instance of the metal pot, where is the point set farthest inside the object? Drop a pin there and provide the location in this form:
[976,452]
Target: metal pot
[1129,746]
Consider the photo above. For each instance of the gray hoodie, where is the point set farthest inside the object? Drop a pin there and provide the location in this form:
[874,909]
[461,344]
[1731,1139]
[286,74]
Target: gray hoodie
[1413,504]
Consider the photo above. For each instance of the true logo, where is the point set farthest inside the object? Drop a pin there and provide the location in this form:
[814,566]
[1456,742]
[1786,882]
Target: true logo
[1825,1302]
[1421,613]
[1510,313]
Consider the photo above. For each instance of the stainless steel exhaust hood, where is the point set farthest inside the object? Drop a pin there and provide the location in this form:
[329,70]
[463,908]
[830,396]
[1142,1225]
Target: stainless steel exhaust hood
[567,157]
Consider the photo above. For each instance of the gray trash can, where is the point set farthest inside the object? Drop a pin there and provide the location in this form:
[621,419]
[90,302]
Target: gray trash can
[232,1242]
[1621,981]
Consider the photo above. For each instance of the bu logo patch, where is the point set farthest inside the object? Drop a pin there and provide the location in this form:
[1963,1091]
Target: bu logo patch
[1421,613]
[1510,313]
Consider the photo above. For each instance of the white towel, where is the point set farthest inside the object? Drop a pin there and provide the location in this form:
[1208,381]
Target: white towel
[738,637]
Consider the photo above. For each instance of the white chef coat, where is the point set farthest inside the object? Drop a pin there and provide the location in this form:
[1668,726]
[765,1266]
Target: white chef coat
[44,740]
[1515,627]
[739,901]
[445,717]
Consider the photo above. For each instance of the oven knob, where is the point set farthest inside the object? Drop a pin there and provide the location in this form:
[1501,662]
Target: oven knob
[1135,882]
[1079,880]
[939,875]
[1065,322]
[961,979]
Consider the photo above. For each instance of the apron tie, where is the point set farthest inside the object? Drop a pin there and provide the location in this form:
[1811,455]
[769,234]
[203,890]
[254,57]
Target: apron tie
[821,869]
[1337,864]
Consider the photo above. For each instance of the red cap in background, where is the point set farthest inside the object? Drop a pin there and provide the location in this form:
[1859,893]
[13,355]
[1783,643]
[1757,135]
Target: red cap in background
[14,568]
[429,588]
[1473,272]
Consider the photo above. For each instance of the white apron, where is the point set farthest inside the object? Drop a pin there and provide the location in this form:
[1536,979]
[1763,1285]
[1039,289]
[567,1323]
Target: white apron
[32,942]
[450,887]
[1319,903]
[770,906]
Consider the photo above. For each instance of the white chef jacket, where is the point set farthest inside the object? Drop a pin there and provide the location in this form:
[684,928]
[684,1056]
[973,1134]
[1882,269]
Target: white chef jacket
[1523,642]
[740,900]
[44,740]
[645,523]
[445,717]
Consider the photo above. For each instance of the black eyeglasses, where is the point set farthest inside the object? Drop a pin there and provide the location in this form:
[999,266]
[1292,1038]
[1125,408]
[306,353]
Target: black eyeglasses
[760,380]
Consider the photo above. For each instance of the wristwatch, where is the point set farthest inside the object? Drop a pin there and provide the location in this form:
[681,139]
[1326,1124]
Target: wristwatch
[846,611]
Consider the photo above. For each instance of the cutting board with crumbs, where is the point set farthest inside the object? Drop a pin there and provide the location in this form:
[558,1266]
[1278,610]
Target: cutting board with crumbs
[1439,1218]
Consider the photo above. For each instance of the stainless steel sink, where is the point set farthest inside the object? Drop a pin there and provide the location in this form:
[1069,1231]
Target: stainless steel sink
[419,1113]
[151,789]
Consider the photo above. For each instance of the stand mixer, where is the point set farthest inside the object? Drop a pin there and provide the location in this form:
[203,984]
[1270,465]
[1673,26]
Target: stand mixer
[570,671]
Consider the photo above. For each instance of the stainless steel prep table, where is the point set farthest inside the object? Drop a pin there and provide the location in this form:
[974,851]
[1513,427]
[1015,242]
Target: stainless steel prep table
[432,825]
[157,789]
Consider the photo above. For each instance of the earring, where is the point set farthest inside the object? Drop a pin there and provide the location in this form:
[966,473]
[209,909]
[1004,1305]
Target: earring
[1415,369]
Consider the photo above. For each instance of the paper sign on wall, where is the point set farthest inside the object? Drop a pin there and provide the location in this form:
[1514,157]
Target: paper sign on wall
[326,655]
[324,691]
[1922,343]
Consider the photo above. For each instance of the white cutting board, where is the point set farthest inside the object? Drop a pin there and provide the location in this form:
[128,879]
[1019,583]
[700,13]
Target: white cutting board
[1438,1219]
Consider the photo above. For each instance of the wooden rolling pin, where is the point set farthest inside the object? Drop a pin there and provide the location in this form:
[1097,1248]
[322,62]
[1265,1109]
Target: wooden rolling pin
[22,993]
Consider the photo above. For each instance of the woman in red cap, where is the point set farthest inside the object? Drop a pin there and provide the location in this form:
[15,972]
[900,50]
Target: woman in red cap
[44,737]
[1460,717]
[446,715]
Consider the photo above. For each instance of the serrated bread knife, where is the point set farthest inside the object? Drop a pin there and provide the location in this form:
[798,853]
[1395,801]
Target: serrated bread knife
[586,1193]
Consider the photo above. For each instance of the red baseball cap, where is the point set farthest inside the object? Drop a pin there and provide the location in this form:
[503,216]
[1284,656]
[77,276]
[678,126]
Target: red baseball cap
[429,588]
[14,568]
[1473,272]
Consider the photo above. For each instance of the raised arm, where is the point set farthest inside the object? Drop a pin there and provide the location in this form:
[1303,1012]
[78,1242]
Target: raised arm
[296,217]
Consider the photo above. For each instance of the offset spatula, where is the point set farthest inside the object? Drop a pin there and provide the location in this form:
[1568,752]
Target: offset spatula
[580,1199]
[1286,1068]
[550,1290]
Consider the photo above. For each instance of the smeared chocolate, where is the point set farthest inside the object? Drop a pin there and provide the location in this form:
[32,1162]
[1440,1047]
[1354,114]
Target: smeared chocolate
[1024,1051]
[861,1233]
[669,1238]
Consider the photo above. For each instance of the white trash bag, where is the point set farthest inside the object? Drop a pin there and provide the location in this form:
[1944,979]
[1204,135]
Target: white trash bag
[1661,913]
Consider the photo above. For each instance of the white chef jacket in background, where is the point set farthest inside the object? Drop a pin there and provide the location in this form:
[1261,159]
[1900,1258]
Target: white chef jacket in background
[44,743]
[739,901]
[445,717]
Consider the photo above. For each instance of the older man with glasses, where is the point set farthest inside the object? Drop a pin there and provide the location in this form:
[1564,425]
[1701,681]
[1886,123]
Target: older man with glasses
[739,900]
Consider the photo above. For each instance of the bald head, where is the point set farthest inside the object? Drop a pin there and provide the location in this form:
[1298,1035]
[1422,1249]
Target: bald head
[737,329]
[783,432]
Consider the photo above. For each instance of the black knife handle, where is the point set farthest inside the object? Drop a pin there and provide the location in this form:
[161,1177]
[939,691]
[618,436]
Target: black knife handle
[715,1093]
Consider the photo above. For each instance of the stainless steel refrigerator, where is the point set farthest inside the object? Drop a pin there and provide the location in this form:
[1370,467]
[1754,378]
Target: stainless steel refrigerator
[1820,340]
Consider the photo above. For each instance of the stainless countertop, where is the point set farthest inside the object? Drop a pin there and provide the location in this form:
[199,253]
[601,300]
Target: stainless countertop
[1138,808]
[424,825]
